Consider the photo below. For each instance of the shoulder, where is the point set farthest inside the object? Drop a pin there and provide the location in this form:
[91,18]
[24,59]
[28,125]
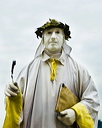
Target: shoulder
[77,66]
[27,71]
[32,64]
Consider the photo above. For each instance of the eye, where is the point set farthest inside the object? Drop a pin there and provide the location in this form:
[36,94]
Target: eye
[49,32]
[57,32]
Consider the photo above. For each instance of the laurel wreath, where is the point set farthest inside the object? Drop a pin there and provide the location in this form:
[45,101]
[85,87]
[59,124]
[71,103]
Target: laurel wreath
[53,23]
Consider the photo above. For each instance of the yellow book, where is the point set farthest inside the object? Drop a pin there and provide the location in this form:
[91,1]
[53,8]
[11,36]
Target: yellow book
[65,99]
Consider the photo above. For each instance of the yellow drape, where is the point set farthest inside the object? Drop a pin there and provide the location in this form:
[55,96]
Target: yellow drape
[83,118]
[13,111]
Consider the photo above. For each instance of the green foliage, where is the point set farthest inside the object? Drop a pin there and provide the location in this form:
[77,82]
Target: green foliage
[53,23]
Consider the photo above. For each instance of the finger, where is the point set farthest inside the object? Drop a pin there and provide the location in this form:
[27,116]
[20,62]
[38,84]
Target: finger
[60,118]
[7,94]
[11,92]
[13,87]
[64,120]
[63,113]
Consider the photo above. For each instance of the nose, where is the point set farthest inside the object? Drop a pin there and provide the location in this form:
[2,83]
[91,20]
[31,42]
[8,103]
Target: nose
[53,36]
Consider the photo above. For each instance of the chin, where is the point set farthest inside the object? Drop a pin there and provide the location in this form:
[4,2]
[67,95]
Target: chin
[54,50]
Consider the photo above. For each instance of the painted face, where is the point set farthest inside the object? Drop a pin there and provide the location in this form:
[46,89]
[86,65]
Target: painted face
[53,39]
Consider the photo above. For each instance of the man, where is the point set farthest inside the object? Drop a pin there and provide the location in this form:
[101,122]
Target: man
[39,82]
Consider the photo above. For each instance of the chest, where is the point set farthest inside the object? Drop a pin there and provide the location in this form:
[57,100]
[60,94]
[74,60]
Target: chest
[64,74]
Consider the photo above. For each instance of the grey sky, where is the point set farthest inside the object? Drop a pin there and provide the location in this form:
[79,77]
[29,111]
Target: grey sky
[19,19]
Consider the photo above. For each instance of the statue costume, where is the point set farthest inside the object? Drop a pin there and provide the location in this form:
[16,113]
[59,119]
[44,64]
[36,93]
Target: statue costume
[39,105]
[39,93]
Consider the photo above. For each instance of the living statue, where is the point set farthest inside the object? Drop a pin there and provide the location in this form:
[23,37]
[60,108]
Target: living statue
[39,83]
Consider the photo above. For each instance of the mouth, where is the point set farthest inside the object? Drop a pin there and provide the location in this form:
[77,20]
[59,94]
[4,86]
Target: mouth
[53,42]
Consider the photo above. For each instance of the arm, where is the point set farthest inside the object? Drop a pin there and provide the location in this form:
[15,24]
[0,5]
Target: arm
[88,106]
[86,111]
[13,107]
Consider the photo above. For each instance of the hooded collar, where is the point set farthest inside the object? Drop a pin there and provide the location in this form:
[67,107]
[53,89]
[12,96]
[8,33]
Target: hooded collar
[61,58]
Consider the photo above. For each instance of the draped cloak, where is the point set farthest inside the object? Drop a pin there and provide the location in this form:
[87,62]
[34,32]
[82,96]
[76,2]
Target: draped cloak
[40,94]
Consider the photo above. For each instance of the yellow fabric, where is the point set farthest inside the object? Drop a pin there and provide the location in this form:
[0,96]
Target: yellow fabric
[13,111]
[53,69]
[83,118]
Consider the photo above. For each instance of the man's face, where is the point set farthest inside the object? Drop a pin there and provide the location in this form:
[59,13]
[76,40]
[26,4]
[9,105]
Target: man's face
[53,39]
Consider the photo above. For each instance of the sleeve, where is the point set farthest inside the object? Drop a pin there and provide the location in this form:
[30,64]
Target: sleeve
[13,111]
[88,107]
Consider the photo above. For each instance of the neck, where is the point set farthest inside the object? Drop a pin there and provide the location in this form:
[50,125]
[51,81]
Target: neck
[53,55]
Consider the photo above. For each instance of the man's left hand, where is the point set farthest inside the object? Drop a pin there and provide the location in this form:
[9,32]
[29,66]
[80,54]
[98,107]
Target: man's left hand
[67,117]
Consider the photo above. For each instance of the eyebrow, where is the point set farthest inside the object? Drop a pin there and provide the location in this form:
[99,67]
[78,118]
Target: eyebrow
[52,28]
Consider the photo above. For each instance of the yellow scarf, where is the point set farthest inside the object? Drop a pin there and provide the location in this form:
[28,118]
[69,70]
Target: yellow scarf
[53,63]
[13,111]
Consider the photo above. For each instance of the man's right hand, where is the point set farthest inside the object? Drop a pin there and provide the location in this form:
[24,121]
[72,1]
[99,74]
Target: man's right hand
[11,89]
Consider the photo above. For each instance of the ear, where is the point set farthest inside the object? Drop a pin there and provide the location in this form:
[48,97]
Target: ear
[64,40]
[42,41]
[63,37]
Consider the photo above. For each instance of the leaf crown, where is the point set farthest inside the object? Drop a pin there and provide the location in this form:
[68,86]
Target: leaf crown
[53,23]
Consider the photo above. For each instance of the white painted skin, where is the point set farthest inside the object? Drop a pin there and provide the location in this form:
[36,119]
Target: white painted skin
[53,40]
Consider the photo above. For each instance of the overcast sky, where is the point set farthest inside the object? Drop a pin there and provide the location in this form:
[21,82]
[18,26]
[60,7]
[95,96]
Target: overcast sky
[20,18]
